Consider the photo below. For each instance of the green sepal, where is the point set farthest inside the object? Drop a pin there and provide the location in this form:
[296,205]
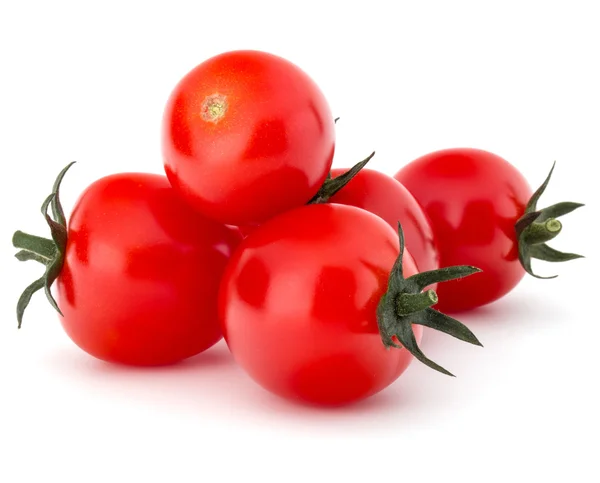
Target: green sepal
[332,185]
[57,210]
[548,254]
[424,279]
[435,319]
[25,255]
[26,297]
[559,209]
[533,233]
[48,252]
[396,326]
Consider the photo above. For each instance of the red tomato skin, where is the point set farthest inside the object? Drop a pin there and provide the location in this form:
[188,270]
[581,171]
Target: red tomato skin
[141,273]
[271,150]
[473,199]
[298,304]
[389,199]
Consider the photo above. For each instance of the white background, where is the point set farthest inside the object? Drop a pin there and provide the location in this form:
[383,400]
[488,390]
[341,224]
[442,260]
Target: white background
[521,79]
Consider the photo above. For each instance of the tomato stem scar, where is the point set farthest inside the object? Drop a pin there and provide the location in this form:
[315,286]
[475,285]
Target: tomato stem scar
[214,107]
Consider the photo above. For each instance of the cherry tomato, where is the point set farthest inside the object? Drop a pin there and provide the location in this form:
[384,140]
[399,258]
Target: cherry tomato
[389,199]
[480,207]
[141,272]
[247,135]
[298,304]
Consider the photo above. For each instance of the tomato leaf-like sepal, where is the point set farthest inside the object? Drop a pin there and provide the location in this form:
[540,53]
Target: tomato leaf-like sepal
[405,304]
[536,227]
[48,252]
[332,185]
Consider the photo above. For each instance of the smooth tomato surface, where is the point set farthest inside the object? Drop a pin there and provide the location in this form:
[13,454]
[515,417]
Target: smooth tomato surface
[473,199]
[141,273]
[247,135]
[389,199]
[298,304]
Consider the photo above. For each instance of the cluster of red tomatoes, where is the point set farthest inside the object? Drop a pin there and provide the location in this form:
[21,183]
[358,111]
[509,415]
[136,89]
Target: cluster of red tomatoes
[253,237]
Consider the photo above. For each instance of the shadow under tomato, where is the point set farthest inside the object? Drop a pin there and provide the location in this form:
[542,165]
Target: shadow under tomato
[495,325]
[515,308]
[213,382]
[77,361]
[390,400]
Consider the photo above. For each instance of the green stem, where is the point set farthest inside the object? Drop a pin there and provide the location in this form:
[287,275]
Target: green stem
[537,232]
[410,303]
[39,245]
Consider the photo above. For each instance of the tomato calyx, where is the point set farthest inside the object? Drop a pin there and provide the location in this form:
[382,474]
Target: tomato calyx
[405,304]
[48,252]
[536,227]
[332,185]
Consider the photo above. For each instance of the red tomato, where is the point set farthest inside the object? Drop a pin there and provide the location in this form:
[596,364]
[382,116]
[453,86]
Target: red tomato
[247,135]
[387,198]
[299,299]
[473,199]
[141,272]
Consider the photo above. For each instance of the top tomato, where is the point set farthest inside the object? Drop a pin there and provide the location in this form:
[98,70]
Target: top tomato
[247,135]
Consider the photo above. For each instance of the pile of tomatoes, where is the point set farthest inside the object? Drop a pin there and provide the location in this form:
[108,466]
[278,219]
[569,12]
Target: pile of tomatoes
[320,280]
